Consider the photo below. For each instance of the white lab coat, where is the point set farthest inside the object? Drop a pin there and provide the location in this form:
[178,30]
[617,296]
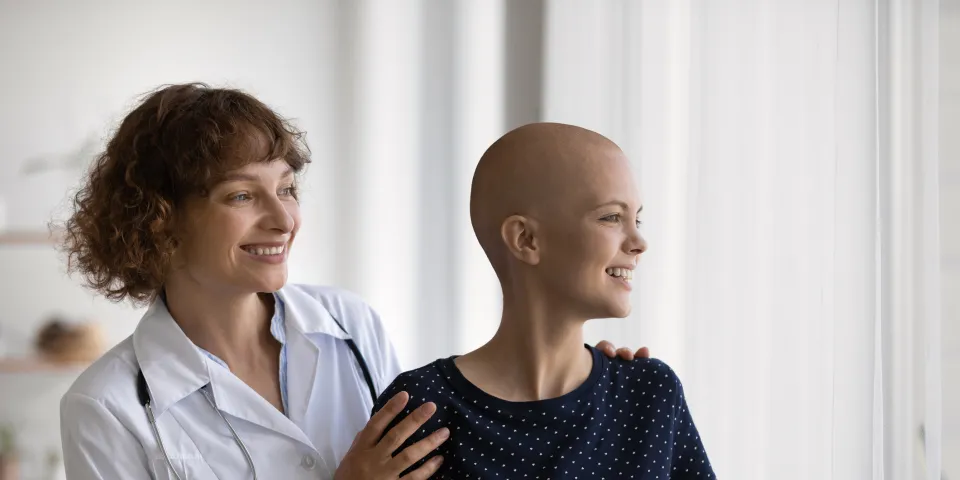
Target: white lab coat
[104,427]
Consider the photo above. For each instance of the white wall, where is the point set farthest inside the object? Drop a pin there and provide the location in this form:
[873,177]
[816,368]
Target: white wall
[70,71]
[950,229]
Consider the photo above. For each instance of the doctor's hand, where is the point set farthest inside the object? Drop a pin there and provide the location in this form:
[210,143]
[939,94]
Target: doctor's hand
[371,458]
[625,353]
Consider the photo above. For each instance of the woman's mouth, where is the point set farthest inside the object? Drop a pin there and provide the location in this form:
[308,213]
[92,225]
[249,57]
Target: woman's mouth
[273,253]
[624,273]
[623,276]
[262,251]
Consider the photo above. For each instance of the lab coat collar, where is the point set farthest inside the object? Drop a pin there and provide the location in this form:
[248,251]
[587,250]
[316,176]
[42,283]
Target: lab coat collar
[172,365]
[175,368]
[307,314]
[236,398]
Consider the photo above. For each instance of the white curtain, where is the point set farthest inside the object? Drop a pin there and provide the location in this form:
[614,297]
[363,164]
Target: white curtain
[420,94]
[787,156]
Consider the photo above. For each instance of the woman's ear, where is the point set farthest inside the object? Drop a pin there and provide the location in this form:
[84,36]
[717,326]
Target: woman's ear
[519,236]
[178,230]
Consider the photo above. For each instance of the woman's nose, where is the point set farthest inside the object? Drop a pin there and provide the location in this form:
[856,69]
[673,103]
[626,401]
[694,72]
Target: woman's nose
[279,217]
[636,244]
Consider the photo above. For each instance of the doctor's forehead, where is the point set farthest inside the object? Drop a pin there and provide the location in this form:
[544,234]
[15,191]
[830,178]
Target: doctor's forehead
[253,172]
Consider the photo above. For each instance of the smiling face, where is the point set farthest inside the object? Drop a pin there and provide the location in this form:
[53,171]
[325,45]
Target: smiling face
[555,209]
[237,237]
[589,237]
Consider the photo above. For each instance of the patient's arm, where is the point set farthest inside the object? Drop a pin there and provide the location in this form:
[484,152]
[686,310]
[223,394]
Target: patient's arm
[689,460]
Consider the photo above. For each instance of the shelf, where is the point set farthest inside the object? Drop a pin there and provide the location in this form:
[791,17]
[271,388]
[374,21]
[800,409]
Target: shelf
[28,237]
[28,365]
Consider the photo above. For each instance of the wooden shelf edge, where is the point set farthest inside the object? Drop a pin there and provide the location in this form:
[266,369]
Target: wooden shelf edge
[26,365]
[29,237]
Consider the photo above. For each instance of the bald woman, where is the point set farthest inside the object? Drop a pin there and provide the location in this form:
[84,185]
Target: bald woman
[556,211]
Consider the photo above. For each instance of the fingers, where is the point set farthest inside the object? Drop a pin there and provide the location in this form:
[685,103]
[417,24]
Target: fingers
[417,451]
[402,431]
[424,472]
[371,433]
[607,348]
[625,353]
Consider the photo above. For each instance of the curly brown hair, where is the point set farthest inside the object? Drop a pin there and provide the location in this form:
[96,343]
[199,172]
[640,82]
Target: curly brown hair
[178,142]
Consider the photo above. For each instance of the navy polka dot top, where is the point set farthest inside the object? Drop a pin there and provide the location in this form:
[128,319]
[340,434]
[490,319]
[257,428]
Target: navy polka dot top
[628,420]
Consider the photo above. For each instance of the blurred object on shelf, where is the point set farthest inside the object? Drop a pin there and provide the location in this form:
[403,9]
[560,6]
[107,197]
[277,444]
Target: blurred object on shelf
[62,341]
[54,465]
[32,237]
[9,462]
[30,365]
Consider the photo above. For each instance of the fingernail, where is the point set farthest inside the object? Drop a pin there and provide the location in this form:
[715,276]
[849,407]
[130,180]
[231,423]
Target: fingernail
[444,433]
[427,410]
[437,460]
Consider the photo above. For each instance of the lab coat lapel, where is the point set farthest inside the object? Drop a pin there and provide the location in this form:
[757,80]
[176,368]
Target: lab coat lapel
[237,399]
[171,364]
[304,318]
[302,363]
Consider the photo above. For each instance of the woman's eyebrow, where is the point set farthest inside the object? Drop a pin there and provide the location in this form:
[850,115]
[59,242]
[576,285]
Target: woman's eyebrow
[241,176]
[238,176]
[619,203]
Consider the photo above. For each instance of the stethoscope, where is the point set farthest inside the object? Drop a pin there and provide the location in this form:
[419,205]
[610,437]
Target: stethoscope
[143,393]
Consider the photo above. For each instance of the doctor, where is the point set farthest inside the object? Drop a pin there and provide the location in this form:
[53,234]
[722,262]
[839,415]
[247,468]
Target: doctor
[231,373]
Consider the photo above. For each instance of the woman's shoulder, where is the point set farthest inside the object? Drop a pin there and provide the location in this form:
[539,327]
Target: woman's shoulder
[333,310]
[644,374]
[648,366]
[108,381]
[329,296]
[345,306]
[423,384]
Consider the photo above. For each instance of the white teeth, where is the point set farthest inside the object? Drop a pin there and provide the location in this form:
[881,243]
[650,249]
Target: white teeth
[624,273]
[265,250]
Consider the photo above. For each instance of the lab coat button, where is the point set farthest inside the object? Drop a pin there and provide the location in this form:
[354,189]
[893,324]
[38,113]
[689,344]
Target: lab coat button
[308,462]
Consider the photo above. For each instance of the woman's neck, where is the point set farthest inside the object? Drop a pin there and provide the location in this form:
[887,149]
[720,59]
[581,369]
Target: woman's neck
[536,354]
[231,326]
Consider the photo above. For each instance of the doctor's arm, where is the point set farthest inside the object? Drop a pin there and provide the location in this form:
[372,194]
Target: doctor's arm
[96,446]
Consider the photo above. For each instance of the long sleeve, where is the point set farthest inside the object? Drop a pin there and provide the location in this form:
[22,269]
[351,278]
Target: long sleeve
[689,459]
[96,446]
[387,362]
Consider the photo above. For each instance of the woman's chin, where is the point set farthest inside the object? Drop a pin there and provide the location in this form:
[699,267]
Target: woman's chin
[620,310]
[270,285]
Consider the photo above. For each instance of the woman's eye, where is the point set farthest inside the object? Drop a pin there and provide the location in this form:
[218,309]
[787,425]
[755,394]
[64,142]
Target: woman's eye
[639,223]
[611,218]
[240,197]
[289,191]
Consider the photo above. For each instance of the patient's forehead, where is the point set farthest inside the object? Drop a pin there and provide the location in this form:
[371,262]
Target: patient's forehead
[595,175]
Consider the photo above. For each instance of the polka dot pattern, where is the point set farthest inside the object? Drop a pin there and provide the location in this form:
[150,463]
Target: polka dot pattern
[629,420]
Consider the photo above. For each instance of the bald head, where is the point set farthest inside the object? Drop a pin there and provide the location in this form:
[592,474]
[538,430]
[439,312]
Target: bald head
[543,171]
